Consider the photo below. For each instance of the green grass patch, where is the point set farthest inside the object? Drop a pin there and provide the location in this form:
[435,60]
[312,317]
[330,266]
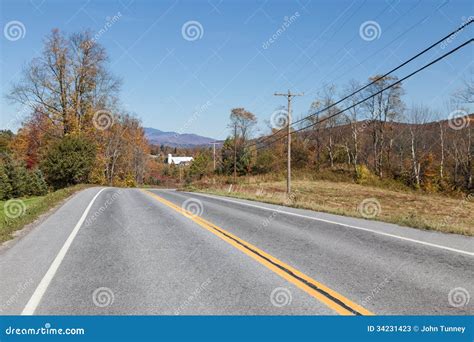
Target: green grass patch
[16,213]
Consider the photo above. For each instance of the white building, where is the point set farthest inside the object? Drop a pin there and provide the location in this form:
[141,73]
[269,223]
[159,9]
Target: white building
[179,160]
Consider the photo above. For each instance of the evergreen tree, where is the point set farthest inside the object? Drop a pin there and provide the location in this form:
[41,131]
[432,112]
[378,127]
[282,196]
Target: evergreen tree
[243,158]
[17,177]
[5,186]
[200,166]
[38,186]
[69,161]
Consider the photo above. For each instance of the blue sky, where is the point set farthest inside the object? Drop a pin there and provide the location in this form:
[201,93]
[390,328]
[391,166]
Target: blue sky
[180,82]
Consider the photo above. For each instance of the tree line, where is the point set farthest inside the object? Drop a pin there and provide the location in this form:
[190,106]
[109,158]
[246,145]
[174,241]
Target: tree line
[73,128]
[382,138]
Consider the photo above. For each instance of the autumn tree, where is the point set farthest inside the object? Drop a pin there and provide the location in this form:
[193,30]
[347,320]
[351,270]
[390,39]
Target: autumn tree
[68,82]
[241,122]
[6,137]
[123,152]
[32,138]
[75,113]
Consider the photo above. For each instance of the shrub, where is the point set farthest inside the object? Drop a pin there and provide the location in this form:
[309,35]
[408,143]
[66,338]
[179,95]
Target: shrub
[130,181]
[5,186]
[17,177]
[364,175]
[200,166]
[38,186]
[69,161]
[265,162]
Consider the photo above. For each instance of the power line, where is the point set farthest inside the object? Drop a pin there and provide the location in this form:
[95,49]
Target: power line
[331,58]
[417,24]
[340,27]
[373,95]
[374,81]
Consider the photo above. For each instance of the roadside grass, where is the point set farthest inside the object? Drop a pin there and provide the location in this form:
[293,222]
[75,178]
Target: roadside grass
[34,207]
[403,207]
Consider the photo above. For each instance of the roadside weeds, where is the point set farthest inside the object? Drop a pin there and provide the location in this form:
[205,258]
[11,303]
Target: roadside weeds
[422,211]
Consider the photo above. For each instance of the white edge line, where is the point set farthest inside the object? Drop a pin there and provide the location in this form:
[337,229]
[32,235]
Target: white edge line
[338,223]
[43,285]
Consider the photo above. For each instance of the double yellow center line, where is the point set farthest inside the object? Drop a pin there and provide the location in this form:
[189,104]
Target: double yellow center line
[324,294]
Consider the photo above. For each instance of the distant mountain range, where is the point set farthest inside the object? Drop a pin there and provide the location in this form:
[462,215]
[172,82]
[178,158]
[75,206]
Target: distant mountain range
[174,139]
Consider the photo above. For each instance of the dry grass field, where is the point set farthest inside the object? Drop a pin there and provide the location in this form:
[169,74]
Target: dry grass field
[403,207]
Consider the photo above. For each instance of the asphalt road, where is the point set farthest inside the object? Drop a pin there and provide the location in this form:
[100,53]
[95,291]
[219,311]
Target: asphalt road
[131,251]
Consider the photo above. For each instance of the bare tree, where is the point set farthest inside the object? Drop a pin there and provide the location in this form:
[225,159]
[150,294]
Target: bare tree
[442,148]
[382,108]
[328,123]
[68,82]
[418,117]
[460,144]
[314,109]
[353,116]
[466,93]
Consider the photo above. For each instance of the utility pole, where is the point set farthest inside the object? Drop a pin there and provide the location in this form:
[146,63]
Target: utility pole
[214,152]
[235,153]
[289,95]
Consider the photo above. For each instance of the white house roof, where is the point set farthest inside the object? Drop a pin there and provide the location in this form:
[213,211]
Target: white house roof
[179,160]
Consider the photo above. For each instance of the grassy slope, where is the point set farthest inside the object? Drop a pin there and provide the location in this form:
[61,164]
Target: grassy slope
[407,208]
[35,206]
